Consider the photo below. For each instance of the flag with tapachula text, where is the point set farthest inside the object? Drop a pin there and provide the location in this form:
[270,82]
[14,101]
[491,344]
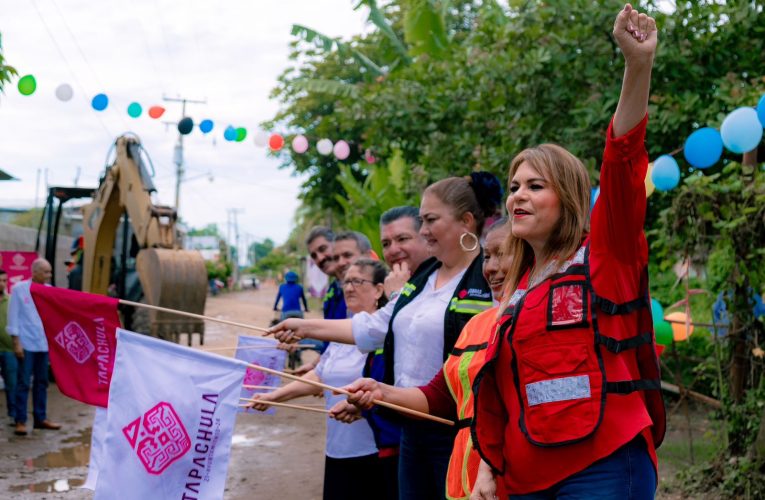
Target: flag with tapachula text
[80,328]
[170,421]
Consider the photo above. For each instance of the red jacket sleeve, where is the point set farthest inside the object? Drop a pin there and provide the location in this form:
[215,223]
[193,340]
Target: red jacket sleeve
[440,400]
[619,213]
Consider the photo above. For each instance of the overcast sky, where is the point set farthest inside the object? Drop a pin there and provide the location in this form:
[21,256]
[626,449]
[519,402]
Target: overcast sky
[227,53]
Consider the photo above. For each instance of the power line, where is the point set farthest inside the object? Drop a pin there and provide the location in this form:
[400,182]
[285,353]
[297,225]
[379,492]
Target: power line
[84,57]
[69,67]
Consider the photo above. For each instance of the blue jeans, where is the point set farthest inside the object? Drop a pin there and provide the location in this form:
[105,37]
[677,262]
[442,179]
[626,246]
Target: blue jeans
[9,367]
[424,459]
[34,366]
[627,474]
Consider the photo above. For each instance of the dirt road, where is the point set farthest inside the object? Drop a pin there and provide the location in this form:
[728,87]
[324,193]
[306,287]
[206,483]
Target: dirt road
[277,456]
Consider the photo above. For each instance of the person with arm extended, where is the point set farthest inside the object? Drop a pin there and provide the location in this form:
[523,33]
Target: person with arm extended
[418,329]
[568,403]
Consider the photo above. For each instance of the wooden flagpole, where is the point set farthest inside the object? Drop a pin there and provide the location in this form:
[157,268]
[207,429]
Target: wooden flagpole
[286,405]
[192,315]
[402,409]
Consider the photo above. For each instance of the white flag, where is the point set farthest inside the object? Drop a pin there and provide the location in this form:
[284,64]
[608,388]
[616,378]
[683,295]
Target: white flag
[247,350]
[96,448]
[170,421]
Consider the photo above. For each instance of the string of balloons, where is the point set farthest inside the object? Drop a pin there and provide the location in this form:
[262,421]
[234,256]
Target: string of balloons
[27,85]
[741,131]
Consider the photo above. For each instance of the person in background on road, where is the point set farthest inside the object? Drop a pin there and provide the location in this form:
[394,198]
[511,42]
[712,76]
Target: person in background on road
[352,467]
[291,293]
[568,403]
[449,393]
[418,328]
[8,363]
[31,349]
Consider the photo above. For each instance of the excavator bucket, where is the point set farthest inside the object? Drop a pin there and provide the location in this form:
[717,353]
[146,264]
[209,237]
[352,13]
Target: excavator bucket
[174,279]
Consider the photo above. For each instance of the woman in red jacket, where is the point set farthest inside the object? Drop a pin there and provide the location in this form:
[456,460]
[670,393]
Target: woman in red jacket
[568,403]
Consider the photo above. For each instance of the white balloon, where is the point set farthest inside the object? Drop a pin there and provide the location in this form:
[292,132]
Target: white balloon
[324,147]
[261,138]
[64,92]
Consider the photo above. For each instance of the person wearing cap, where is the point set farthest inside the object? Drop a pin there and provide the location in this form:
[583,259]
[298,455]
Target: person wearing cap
[291,293]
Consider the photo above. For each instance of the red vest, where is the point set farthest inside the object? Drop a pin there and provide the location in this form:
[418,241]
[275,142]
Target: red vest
[571,376]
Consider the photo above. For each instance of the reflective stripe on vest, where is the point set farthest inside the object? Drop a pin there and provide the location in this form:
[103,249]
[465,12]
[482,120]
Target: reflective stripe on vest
[466,358]
[468,306]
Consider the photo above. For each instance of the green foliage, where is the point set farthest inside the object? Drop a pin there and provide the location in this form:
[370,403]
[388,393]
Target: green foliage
[218,269]
[276,262]
[364,202]
[29,218]
[208,230]
[260,249]
[495,80]
[6,72]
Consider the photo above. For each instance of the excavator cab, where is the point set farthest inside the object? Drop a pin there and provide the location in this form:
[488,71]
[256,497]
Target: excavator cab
[148,245]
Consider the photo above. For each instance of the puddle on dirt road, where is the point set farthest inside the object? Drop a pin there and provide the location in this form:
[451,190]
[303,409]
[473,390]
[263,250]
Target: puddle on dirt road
[55,486]
[264,437]
[71,456]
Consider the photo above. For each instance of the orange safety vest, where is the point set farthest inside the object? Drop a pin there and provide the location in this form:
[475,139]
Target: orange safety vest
[460,370]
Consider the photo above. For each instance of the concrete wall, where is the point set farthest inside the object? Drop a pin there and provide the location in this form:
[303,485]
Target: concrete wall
[23,238]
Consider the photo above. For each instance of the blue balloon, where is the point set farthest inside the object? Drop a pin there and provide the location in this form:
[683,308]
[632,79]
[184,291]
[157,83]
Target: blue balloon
[100,102]
[761,110]
[206,126]
[703,148]
[741,130]
[230,133]
[657,312]
[594,193]
[665,174]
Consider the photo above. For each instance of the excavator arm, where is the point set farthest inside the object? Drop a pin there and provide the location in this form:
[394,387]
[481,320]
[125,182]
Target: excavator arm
[170,277]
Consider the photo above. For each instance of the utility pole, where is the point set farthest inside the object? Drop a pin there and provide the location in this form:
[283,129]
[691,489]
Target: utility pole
[178,151]
[232,213]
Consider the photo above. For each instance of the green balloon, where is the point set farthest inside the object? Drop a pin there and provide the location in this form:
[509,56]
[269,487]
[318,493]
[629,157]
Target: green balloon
[241,133]
[663,331]
[134,110]
[27,85]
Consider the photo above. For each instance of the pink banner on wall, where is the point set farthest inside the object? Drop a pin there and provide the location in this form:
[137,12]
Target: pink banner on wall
[18,265]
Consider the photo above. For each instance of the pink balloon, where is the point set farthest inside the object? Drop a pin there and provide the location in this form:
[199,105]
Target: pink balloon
[300,144]
[369,157]
[342,150]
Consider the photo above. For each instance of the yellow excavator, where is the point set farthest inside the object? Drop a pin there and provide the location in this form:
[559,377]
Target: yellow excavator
[169,276]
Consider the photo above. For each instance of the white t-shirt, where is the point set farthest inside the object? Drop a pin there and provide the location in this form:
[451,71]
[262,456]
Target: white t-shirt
[340,365]
[418,329]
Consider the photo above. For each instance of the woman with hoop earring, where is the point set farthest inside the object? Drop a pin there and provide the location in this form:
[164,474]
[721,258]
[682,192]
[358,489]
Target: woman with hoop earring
[420,325]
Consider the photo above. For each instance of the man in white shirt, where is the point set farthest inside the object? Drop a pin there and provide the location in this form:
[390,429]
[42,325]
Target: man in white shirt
[31,348]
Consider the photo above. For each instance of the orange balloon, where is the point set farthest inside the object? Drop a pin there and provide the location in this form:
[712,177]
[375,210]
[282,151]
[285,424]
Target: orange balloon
[275,142]
[679,330]
[156,111]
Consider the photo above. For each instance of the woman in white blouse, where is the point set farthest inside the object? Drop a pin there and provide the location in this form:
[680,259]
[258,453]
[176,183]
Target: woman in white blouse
[351,463]
[419,326]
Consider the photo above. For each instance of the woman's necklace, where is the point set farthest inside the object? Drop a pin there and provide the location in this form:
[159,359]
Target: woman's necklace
[536,277]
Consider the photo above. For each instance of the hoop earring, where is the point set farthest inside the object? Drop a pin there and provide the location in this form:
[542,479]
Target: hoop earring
[462,242]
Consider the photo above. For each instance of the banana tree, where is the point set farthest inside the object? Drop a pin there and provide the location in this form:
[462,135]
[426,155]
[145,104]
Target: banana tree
[365,201]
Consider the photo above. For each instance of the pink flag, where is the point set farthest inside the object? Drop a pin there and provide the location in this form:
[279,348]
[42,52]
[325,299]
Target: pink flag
[80,328]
